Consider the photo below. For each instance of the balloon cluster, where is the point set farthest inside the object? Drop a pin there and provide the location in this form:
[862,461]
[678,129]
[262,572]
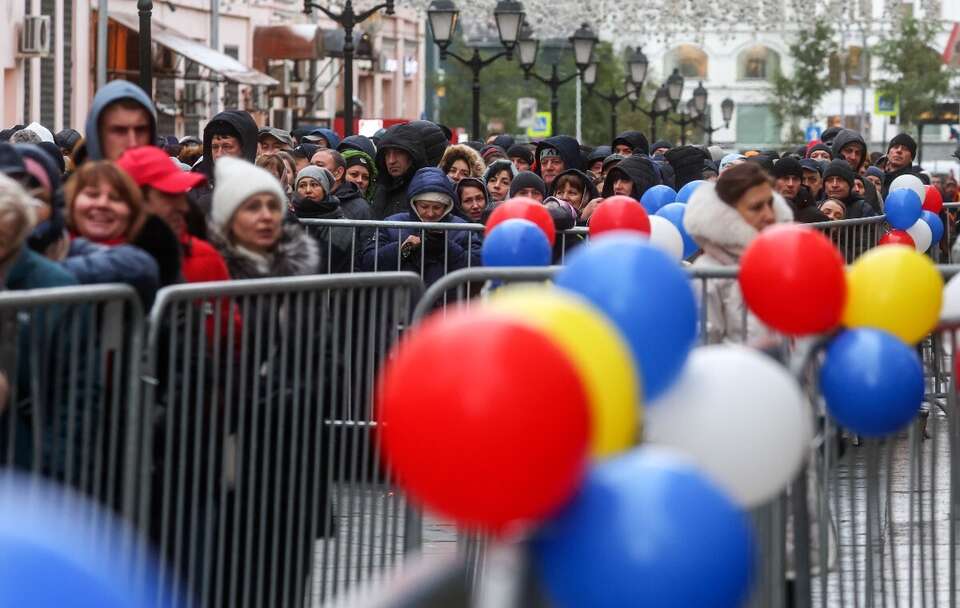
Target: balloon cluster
[793,280]
[520,232]
[913,210]
[522,415]
[659,216]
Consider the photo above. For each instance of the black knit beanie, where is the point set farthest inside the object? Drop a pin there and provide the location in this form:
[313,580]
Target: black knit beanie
[787,165]
[904,139]
[841,169]
[527,179]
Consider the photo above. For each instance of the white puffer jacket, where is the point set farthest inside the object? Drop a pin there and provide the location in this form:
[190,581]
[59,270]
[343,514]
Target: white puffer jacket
[723,235]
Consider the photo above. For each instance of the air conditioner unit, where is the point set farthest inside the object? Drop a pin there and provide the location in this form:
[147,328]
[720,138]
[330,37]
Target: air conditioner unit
[35,35]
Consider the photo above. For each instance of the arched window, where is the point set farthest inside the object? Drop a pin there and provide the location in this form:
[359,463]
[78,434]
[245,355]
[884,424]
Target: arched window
[857,67]
[690,60]
[757,63]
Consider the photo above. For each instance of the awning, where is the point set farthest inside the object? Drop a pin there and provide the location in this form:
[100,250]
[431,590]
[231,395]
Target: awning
[304,41]
[215,61]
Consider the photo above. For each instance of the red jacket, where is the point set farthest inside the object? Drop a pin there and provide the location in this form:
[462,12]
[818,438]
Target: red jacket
[202,263]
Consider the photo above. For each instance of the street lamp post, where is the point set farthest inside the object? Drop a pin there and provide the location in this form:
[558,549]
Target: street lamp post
[726,109]
[348,19]
[443,16]
[637,72]
[145,8]
[528,47]
[660,107]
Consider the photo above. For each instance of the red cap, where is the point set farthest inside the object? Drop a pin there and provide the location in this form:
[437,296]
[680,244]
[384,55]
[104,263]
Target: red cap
[150,166]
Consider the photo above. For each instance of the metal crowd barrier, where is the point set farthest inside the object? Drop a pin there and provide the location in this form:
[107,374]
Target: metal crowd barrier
[853,237]
[266,471]
[71,357]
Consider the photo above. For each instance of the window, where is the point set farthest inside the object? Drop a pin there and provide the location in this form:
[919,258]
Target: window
[231,92]
[756,125]
[856,67]
[758,63]
[690,60]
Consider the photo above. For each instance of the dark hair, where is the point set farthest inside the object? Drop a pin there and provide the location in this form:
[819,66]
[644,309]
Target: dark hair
[570,178]
[736,180]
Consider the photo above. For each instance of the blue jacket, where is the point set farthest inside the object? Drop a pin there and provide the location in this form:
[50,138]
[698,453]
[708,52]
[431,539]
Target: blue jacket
[440,251]
[91,263]
[115,90]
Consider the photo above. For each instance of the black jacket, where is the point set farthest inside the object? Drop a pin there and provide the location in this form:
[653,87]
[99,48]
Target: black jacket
[243,123]
[568,148]
[908,170]
[635,139]
[425,143]
[639,169]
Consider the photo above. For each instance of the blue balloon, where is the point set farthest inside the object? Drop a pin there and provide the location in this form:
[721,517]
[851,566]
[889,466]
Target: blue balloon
[647,529]
[646,295]
[687,191]
[872,381]
[674,212]
[656,197]
[53,557]
[903,208]
[936,224]
[516,242]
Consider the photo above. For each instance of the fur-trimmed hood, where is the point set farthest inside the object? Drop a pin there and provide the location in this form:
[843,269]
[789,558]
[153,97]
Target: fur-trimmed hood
[718,228]
[466,154]
[296,254]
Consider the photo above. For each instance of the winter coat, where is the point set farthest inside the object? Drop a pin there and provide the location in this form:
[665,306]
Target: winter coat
[687,164]
[467,155]
[857,207]
[636,140]
[419,140]
[439,252]
[638,169]
[244,124]
[908,170]
[295,254]
[843,139]
[91,264]
[723,235]
[337,246]
[114,90]
[35,348]
[589,193]
[567,147]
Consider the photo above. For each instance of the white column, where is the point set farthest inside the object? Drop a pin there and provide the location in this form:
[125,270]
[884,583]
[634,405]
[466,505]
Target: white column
[58,60]
[81,73]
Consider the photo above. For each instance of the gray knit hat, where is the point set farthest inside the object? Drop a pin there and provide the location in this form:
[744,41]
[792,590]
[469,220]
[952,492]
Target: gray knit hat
[318,173]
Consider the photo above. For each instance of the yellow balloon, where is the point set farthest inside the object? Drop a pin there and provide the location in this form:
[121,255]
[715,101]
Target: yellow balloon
[896,289]
[596,349]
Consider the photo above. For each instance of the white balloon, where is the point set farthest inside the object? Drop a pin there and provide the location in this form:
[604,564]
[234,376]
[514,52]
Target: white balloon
[741,416]
[912,182]
[664,234]
[951,299]
[922,235]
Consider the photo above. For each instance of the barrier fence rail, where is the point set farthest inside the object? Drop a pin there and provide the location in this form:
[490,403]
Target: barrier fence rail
[235,427]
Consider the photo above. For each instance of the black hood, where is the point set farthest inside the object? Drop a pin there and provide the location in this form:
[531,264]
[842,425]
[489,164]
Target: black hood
[635,139]
[591,190]
[639,169]
[568,148]
[598,153]
[846,137]
[687,163]
[238,121]
[423,141]
[358,142]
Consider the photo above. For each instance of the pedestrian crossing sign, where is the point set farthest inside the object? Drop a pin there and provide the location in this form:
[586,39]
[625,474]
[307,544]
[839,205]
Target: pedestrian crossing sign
[542,125]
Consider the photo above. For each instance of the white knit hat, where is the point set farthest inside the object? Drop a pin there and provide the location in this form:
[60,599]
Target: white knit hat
[237,180]
[42,132]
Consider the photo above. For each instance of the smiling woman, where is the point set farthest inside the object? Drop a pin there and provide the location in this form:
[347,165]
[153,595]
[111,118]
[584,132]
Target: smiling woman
[104,205]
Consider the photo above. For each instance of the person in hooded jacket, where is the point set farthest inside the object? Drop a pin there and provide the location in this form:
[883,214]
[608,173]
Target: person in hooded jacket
[838,183]
[49,237]
[632,177]
[460,161]
[521,156]
[431,253]
[595,161]
[556,154]
[630,142]
[361,170]
[339,247]
[475,204]
[498,177]
[723,218]
[403,150]
[576,188]
[121,116]
[359,143]
[850,146]
[230,133]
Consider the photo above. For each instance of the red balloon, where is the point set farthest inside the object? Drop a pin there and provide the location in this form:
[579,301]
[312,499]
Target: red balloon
[792,279]
[485,419]
[933,201]
[619,213]
[897,237]
[525,209]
